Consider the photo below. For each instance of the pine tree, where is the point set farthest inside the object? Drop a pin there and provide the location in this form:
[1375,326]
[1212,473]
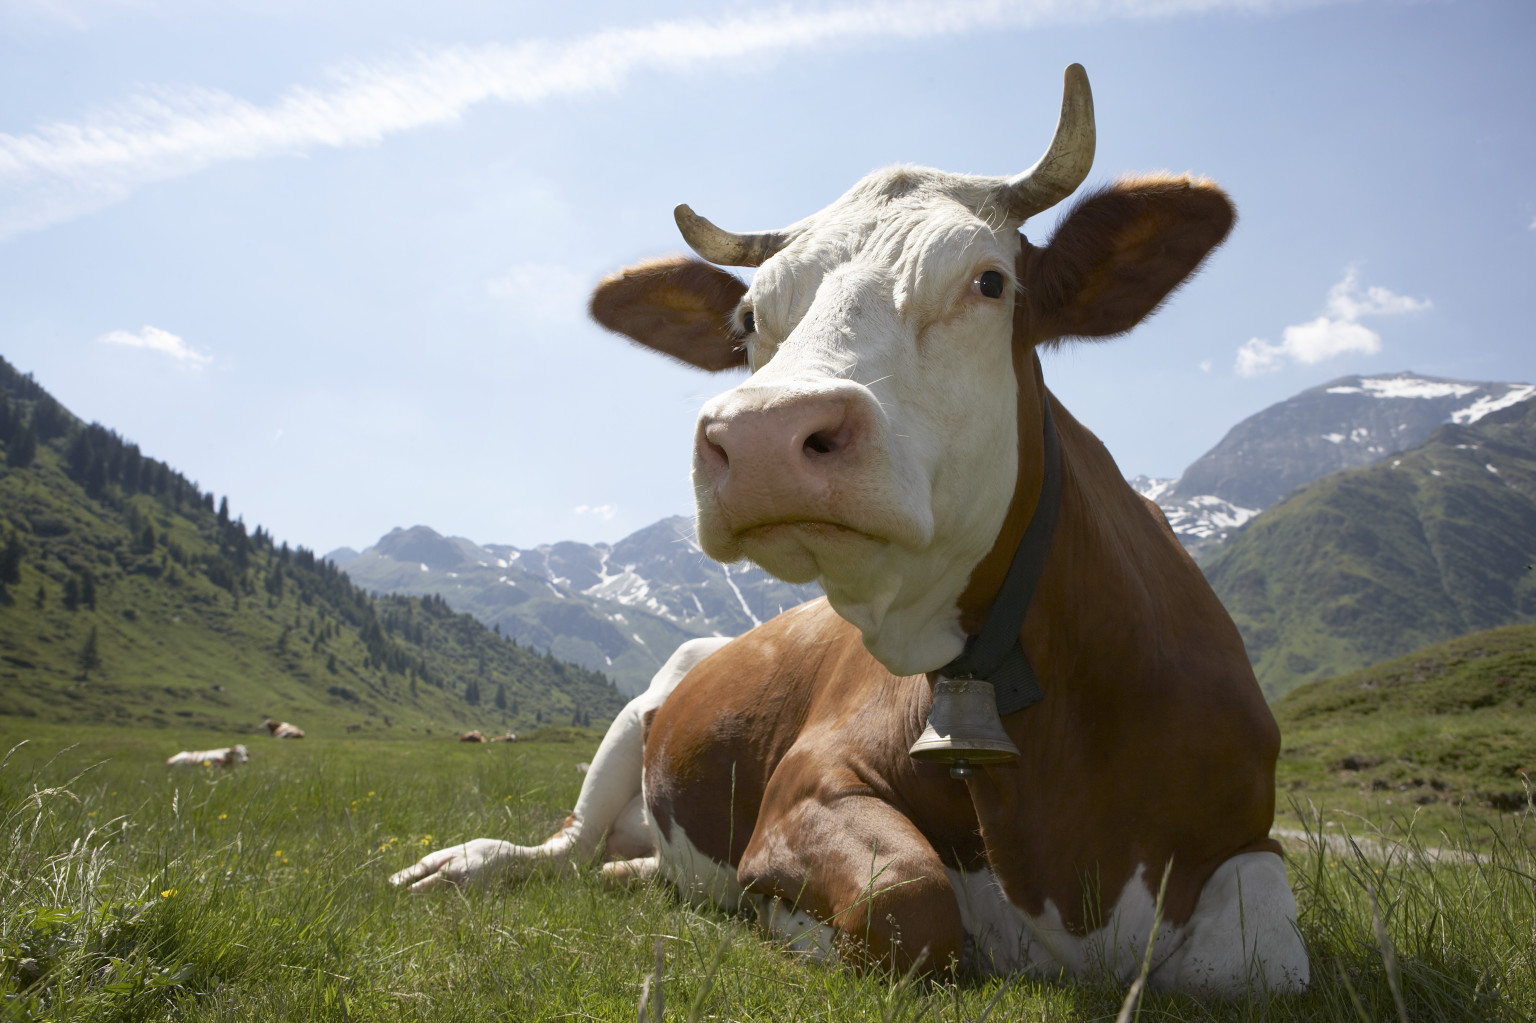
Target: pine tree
[20,452]
[90,657]
[10,560]
[501,696]
[40,597]
[71,594]
[87,588]
[472,693]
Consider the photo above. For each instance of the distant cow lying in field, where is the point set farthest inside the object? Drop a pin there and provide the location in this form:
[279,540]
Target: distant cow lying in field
[509,737]
[283,730]
[229,756]
[472,736]
[1111,758]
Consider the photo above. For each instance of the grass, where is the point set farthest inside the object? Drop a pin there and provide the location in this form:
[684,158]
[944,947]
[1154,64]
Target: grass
[129,892]
[1446,734]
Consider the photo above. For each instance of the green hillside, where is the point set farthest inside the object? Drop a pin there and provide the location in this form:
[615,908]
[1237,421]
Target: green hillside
[1450,726]
[127,595]
[1368,564]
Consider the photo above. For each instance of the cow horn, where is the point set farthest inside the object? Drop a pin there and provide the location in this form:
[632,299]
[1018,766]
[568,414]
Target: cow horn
[1065,164]
[726,247]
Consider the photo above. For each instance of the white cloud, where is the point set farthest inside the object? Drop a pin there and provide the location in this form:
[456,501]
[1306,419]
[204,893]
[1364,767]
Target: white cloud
[543,292]
[1337,332]
[1205,365]
[600,511]
[64,170]
[157,340]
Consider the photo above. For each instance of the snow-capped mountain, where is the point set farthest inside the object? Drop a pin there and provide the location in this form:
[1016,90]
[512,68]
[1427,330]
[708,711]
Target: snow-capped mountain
[620,609]
[1345,423]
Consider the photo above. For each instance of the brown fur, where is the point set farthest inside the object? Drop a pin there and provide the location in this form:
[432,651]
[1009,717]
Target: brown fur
[679,306]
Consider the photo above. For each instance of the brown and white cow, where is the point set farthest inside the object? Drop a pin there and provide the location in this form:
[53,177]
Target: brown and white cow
[228,756]
[283,730]
[889,445]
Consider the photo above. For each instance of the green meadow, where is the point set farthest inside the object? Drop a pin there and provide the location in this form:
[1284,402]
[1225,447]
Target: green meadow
[132,892]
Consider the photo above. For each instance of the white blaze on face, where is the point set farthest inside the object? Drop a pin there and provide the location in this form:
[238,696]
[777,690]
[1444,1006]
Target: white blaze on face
[874,447]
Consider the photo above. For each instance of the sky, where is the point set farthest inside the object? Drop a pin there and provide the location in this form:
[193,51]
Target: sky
[331,260]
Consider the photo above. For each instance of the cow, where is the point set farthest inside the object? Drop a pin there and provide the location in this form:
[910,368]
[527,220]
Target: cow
[474,735]
[896,443]
[283,730]
[229,756]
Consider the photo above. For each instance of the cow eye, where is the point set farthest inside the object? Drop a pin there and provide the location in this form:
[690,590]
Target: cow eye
[990,283]
[748,323]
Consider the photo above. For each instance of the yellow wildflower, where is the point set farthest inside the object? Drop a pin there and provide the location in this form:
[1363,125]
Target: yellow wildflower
[168,893]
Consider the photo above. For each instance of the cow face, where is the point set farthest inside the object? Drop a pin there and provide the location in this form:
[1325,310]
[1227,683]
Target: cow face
[876,446]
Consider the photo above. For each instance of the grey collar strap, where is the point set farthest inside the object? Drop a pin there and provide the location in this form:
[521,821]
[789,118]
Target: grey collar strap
[995,653]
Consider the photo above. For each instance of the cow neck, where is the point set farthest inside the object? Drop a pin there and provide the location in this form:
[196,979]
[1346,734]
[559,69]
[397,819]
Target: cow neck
[1002,585]
[996,653]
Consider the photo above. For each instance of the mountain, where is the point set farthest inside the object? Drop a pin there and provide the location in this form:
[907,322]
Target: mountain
[127,596]
[1346,423]
[620,609]
[1367,564]
[1444,724]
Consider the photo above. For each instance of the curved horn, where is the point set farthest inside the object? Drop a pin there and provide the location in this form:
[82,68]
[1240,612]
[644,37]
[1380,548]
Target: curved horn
[1065,164]
[725,247]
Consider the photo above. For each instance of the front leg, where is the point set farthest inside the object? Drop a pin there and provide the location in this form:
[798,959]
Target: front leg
[855,870]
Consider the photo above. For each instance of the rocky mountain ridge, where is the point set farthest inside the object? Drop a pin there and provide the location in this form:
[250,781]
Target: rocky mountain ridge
[618,608]
[1345,423]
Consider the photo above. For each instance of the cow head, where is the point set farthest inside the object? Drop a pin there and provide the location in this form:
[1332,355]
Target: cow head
[894,405]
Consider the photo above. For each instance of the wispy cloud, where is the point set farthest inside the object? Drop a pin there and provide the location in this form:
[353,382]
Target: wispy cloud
[1337,332]
[157,340]
[599,511]
[64,170]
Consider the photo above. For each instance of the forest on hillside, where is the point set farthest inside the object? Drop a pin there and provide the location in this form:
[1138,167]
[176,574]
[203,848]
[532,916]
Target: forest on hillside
[128,593]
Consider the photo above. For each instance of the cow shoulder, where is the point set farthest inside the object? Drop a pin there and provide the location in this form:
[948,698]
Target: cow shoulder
[1118,253]
[676,306]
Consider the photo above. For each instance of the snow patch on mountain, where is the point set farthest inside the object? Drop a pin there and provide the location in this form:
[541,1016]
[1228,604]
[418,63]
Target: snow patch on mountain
[1407,386]
[1482,406]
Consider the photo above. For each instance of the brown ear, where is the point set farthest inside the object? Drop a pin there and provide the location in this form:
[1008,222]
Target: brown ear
[1118,254]
[676,306]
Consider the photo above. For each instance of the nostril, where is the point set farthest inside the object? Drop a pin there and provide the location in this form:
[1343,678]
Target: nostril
[710,451]
[820,442]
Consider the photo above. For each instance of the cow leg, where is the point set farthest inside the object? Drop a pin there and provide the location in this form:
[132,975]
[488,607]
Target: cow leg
[853,877]
[1242,936]
[608,809]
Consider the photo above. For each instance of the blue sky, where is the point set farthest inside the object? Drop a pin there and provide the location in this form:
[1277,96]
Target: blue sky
[331,260]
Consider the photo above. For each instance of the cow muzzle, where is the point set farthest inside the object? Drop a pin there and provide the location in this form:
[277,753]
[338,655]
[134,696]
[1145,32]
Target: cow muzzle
[806,457]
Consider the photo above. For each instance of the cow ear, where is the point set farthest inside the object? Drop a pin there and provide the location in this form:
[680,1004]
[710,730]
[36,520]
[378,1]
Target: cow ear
[677,306]
[1119,253]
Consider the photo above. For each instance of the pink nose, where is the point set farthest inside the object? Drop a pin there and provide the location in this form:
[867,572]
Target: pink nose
[766,459]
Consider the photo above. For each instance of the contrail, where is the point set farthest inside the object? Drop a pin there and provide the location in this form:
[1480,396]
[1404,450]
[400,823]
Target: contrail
[64,170]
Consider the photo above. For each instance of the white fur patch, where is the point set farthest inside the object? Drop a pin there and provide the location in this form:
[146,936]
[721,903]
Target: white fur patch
[1242,936]
[1003,939]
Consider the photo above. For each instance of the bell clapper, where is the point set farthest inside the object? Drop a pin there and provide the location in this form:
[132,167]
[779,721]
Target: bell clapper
[961,769]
